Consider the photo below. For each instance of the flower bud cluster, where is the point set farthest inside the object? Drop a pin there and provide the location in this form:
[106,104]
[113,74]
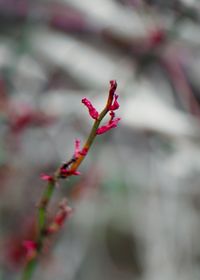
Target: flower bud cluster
[111,106]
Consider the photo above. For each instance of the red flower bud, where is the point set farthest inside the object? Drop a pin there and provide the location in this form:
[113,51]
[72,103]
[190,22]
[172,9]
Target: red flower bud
[92,111]
[46,177]
[113,87]
[63,214]
[111,124]
[115,104]
[64,173]
[77,148]
[77,151]
[31,248]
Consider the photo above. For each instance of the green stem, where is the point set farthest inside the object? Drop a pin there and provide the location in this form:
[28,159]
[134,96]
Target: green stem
[46,197]
[29,269]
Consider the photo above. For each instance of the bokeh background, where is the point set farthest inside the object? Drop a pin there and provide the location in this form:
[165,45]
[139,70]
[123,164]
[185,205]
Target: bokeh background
[137,203]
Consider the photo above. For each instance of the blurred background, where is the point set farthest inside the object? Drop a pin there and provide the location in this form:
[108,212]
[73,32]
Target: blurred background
[137,202]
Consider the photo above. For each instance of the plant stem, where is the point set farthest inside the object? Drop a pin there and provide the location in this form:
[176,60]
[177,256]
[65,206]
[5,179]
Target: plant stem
[48,193]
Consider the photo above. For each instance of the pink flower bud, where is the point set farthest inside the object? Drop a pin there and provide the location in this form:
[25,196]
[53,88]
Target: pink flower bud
[79,152]
[113,87]
[77,148]
[63,214]
[111,124]
[83,152]
[115,104]
[112,115]
[92,111]
[31,248]
[66,172]
[46,177]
